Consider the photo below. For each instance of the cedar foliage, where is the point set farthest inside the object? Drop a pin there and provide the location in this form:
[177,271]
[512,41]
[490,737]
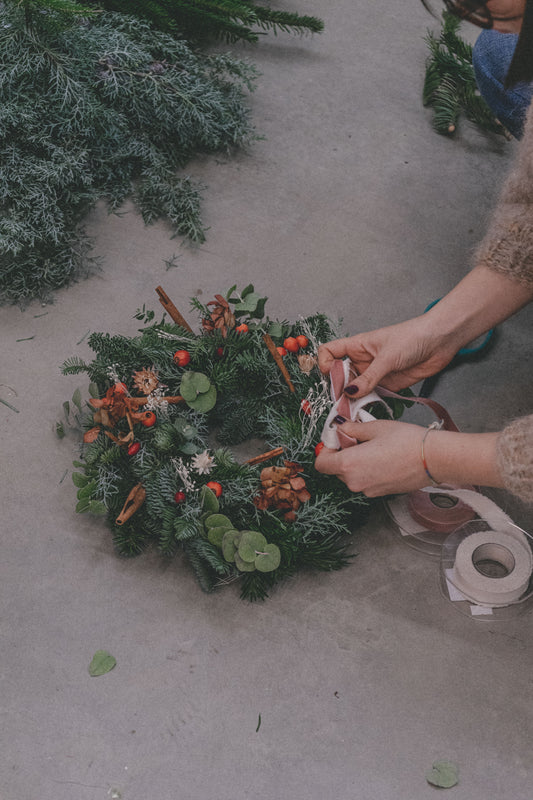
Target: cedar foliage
[100,106]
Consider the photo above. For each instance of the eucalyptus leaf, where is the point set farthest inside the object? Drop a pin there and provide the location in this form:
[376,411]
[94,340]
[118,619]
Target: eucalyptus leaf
[443,774]
[244,566]
[204,402]
[229,545]
[251,542]
[93,390]
[86,491]
[82,506]
[189,449]
[76,399]
[209,500]
[216,535]
[218,521]
[66,409]
[275,329]
[102,662]
[78,479]
[60,430]
[97,507]
[269,559]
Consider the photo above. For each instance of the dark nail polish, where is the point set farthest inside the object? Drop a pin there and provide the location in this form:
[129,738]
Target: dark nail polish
[339,420]
[351,390]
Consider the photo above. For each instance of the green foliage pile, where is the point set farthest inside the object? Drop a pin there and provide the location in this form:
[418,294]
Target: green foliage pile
[450,85]
[205,20]
[248,398]
[94,106]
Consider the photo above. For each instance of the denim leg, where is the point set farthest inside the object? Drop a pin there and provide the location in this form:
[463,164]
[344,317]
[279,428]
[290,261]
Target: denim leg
[492,55]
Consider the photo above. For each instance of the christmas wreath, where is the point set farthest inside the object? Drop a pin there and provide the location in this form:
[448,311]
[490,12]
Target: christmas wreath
[165,408]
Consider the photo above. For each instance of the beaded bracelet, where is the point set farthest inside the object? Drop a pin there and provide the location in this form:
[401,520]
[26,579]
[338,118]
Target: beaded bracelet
[435,426]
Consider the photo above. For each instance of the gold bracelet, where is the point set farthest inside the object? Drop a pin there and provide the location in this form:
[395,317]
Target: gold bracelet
[435,426]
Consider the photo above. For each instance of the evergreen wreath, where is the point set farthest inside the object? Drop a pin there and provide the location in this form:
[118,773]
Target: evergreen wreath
[449,84]
[167,405]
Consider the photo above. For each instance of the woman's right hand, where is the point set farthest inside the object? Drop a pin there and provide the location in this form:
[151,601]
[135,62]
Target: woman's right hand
[395,357]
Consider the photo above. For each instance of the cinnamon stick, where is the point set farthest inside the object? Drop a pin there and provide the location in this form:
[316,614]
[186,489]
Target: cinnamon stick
[278,359]
[171,309]
[278,451]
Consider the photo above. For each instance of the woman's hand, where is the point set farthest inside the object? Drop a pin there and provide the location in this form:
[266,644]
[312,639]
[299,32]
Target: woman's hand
[387,459]
[396,357]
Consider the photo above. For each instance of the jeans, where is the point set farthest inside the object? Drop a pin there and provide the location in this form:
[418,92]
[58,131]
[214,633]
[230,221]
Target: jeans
[492,55]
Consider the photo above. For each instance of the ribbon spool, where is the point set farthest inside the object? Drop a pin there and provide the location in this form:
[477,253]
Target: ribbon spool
[438,511]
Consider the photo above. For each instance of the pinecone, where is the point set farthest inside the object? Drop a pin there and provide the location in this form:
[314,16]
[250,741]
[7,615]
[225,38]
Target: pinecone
[282,488]
[145,380]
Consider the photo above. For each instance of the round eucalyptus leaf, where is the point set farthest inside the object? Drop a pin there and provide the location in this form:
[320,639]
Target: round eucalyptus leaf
[244,566]
[216,535]
[204,402]
[187,387]
[229,545]
[218,521]
[251,541]
[269,559]
[443,774]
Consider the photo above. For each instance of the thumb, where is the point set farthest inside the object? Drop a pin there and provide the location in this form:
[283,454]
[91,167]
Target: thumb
[359,431]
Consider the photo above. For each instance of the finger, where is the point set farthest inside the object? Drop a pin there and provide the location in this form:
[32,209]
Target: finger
[328,461]
[328,353]
[361,431]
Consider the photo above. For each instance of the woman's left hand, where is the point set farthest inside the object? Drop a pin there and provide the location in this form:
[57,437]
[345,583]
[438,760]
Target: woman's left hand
[387,459]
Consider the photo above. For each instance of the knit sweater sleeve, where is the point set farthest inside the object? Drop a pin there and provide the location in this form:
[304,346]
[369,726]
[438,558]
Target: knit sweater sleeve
[515,457]
[508,244]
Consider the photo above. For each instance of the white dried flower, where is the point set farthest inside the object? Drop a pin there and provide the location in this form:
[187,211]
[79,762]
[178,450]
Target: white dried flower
[202,463]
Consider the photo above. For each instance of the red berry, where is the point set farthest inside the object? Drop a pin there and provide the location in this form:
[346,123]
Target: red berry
[242,328]
[302,340]
[215,487]
[182,358]
[291,344]
[281,351]
[305,405]
[120,388]
[134,448]
[318,449]
[149,419]
[180,497]
[220,352]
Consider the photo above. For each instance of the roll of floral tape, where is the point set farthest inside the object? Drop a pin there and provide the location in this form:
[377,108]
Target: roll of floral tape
[438,511]
[493,568]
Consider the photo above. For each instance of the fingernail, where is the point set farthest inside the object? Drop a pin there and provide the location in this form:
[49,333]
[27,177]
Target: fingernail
[351,390]
[339,420]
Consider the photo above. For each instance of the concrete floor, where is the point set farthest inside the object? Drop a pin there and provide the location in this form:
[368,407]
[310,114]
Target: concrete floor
[350,205]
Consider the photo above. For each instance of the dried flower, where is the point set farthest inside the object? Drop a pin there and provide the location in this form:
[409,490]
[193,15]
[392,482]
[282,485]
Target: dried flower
[203,463]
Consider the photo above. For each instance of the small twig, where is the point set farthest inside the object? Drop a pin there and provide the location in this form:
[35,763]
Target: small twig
[258,723]
[64,476]
[27,339]
[278,451]
[9,405]
[83,337]
[171,309]
[36,316]
[278,359]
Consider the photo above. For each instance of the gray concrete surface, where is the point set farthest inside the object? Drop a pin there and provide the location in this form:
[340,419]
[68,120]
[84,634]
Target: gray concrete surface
[353,206]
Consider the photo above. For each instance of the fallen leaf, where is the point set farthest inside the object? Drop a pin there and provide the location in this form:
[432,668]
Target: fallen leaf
[102,662]
[443,774]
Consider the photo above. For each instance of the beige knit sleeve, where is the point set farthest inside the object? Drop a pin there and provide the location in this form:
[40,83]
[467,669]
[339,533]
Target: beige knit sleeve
[515,457]
[508,244]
